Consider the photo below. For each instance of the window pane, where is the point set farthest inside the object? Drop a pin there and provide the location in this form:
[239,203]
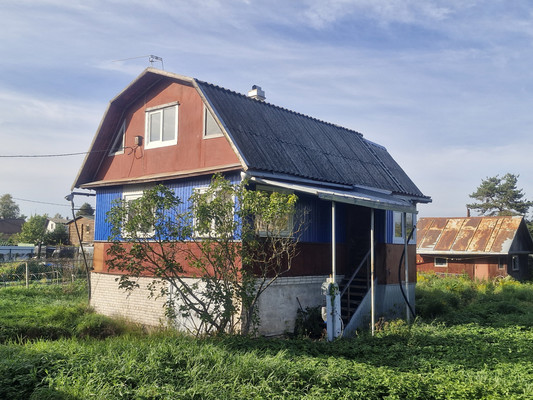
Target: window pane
[398,225]
[211,127]
[409,223]
[169,123]
[155,127]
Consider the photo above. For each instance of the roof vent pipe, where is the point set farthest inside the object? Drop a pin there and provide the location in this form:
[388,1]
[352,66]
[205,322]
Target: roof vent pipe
[257,93]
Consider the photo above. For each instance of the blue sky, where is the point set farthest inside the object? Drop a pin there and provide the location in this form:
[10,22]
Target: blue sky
[446,86]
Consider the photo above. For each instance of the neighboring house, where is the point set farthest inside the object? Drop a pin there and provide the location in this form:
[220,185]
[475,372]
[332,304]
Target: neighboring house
[53,222]
[480,247]
[85,225]
[171,129]
[10,227]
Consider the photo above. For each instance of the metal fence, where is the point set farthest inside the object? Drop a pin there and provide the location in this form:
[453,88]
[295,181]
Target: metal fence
[43,271]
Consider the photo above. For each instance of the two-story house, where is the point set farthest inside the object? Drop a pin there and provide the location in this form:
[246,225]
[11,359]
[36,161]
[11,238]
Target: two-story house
[179,131]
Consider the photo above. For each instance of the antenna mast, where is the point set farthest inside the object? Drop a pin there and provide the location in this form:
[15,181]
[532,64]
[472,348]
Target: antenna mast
[151,59]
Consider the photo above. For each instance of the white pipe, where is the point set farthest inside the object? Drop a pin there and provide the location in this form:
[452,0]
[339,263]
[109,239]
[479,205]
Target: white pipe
[333,244]
[372,289]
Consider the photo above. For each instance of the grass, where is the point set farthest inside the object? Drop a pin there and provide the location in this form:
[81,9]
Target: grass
[457,353]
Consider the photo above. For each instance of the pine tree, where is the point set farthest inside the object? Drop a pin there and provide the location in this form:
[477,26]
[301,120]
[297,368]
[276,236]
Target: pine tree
[500,196]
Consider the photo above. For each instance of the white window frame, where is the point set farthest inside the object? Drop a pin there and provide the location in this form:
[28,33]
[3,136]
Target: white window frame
[290,220]
[206,134]
[121,137]
[397,218]
[201,190]
[149,112]
[134,193]
[440,264]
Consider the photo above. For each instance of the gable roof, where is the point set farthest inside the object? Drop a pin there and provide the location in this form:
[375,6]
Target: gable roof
[271,139]
[473,235]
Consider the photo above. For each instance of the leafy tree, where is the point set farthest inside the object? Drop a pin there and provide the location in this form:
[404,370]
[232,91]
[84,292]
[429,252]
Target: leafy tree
[85,209]
[8,208]
[58,236]
[500,196]
[234,241]
[34,231]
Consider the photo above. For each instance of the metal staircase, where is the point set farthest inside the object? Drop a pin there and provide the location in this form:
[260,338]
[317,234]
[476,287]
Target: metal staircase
[354,289]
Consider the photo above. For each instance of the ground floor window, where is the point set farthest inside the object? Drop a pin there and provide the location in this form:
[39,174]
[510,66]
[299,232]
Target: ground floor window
[440,262]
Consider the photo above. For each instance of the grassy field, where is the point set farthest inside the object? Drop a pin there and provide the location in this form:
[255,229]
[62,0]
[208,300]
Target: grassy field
[471,341]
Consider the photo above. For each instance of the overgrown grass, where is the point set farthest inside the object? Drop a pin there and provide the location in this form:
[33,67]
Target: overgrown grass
[459,300]
[51,312]
[447,358]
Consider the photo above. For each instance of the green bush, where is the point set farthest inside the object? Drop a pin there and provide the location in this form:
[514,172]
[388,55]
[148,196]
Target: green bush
[309,323]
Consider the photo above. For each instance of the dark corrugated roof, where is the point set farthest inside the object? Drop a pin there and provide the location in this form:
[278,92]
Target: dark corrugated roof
[277,140]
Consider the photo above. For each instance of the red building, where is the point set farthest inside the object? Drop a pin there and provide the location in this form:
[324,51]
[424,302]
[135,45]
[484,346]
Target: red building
[480,247]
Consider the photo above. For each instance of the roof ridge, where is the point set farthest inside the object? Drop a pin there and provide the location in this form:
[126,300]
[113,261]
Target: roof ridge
[266,103]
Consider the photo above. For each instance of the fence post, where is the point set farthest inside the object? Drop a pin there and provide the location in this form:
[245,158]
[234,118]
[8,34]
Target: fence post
[27,275]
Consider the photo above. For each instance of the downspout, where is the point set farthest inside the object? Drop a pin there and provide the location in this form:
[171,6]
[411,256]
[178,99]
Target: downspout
[372,268]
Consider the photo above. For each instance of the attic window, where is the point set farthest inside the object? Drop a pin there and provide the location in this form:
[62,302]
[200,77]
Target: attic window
[118,144]
[211,128]
[161,126]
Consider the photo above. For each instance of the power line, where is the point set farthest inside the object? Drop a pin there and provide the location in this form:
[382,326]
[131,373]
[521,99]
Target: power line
[49,155]
[41,202]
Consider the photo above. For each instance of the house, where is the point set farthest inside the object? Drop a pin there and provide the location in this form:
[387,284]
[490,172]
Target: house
[480,247]
[85,224]
[10,227]
[179,131]
[52,223]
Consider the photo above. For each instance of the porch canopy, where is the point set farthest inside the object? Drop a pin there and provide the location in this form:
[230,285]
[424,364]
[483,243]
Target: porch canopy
[366,197]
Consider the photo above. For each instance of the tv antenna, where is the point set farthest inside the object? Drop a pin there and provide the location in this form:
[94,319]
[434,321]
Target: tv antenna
[151,59]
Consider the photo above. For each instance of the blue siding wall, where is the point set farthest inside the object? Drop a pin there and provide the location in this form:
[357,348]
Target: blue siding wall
[104,202]
[317,213]
[105,198]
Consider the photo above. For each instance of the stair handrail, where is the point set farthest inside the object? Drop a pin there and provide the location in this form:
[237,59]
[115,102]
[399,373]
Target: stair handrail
[363,262]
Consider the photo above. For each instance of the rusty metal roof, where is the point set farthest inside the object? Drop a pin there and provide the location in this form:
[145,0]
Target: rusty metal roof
[473,235]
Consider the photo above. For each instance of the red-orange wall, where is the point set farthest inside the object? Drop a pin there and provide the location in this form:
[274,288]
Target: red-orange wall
[192,150]
[481,268]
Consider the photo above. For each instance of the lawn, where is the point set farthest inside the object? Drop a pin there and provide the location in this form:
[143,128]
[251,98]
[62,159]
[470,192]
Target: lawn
[472,341]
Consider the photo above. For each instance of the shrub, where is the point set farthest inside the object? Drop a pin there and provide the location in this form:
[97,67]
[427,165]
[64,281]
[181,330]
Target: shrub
[309,323]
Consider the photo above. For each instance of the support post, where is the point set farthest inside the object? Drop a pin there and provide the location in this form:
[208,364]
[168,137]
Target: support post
[27,275]
[372,277]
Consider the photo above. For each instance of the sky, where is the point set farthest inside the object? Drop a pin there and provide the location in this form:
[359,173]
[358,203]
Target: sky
[445,86]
